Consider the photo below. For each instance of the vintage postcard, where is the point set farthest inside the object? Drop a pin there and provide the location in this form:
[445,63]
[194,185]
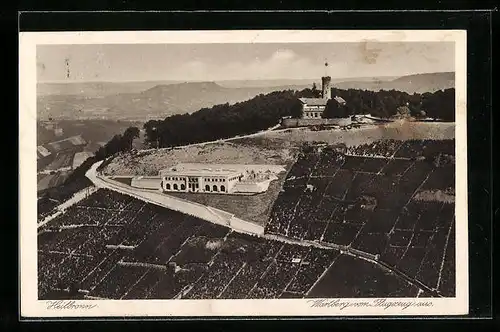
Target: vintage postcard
[243,173]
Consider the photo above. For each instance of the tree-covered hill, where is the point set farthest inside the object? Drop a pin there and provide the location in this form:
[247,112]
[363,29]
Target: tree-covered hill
[264,111]
[387,103]
[225,120]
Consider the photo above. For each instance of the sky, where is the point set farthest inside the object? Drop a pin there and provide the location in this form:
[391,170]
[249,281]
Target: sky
[217,62]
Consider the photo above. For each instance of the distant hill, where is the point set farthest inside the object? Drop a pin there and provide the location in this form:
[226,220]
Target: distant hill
[95,89]
[306,82]
[418,83]
[153,103]
[102,89]
[156,100]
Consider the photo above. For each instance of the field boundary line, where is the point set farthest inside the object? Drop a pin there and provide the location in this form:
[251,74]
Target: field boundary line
[90,239]
[359,254]
[294,276]
[322,275]
[158,246]
[329,196]
[444,255]
[408,202]
[142,264]
[265,272]
[230,281]
[412,236]
[138,280]
[61,208]
[186,290]
[102,261]
[102,279]
[96,298]
[300,198]
[64,253]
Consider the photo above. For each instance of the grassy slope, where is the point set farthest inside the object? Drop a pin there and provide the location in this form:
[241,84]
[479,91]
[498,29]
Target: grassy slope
[256,208]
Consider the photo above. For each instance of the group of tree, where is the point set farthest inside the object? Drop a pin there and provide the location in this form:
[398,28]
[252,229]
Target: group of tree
[389,103]
[224,121]
[440,104]
[119,143]
[263,111]
[333,109]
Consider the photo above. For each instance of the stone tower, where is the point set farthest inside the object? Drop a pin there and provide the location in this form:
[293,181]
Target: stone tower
[325,87]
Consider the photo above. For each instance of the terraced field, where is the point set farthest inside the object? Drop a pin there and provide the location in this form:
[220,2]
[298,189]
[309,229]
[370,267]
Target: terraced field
[367,201]
[386,238]
[111,246]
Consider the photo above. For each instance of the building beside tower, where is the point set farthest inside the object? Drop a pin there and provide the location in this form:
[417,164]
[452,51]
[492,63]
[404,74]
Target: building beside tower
[313,108]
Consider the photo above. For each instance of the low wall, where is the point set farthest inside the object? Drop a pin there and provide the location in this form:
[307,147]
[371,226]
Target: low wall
[246,227]
[315,122]
[259,187]
[239,167]
[173,203]
[211,214]
[146,182]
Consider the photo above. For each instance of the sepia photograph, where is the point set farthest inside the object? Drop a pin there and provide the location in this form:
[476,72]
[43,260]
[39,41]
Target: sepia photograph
[243,173]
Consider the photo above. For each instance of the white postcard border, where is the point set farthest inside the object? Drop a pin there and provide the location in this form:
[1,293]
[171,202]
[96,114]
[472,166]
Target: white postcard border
[31,307]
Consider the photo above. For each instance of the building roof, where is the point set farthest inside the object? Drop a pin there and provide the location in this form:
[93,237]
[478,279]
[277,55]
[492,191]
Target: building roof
[314,101]
[320,101]
[168,172]
[42,151]
[339,100]
[233,167]
[199,170]
[208,169]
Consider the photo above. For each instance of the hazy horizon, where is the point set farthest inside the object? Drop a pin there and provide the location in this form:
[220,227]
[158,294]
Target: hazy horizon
[239,62]
[234,80]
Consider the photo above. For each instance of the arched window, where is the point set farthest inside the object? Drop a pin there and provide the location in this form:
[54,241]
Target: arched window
[207,188]
[176,187]
[222,188]
[183,186]
[168,186]
[214,187]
